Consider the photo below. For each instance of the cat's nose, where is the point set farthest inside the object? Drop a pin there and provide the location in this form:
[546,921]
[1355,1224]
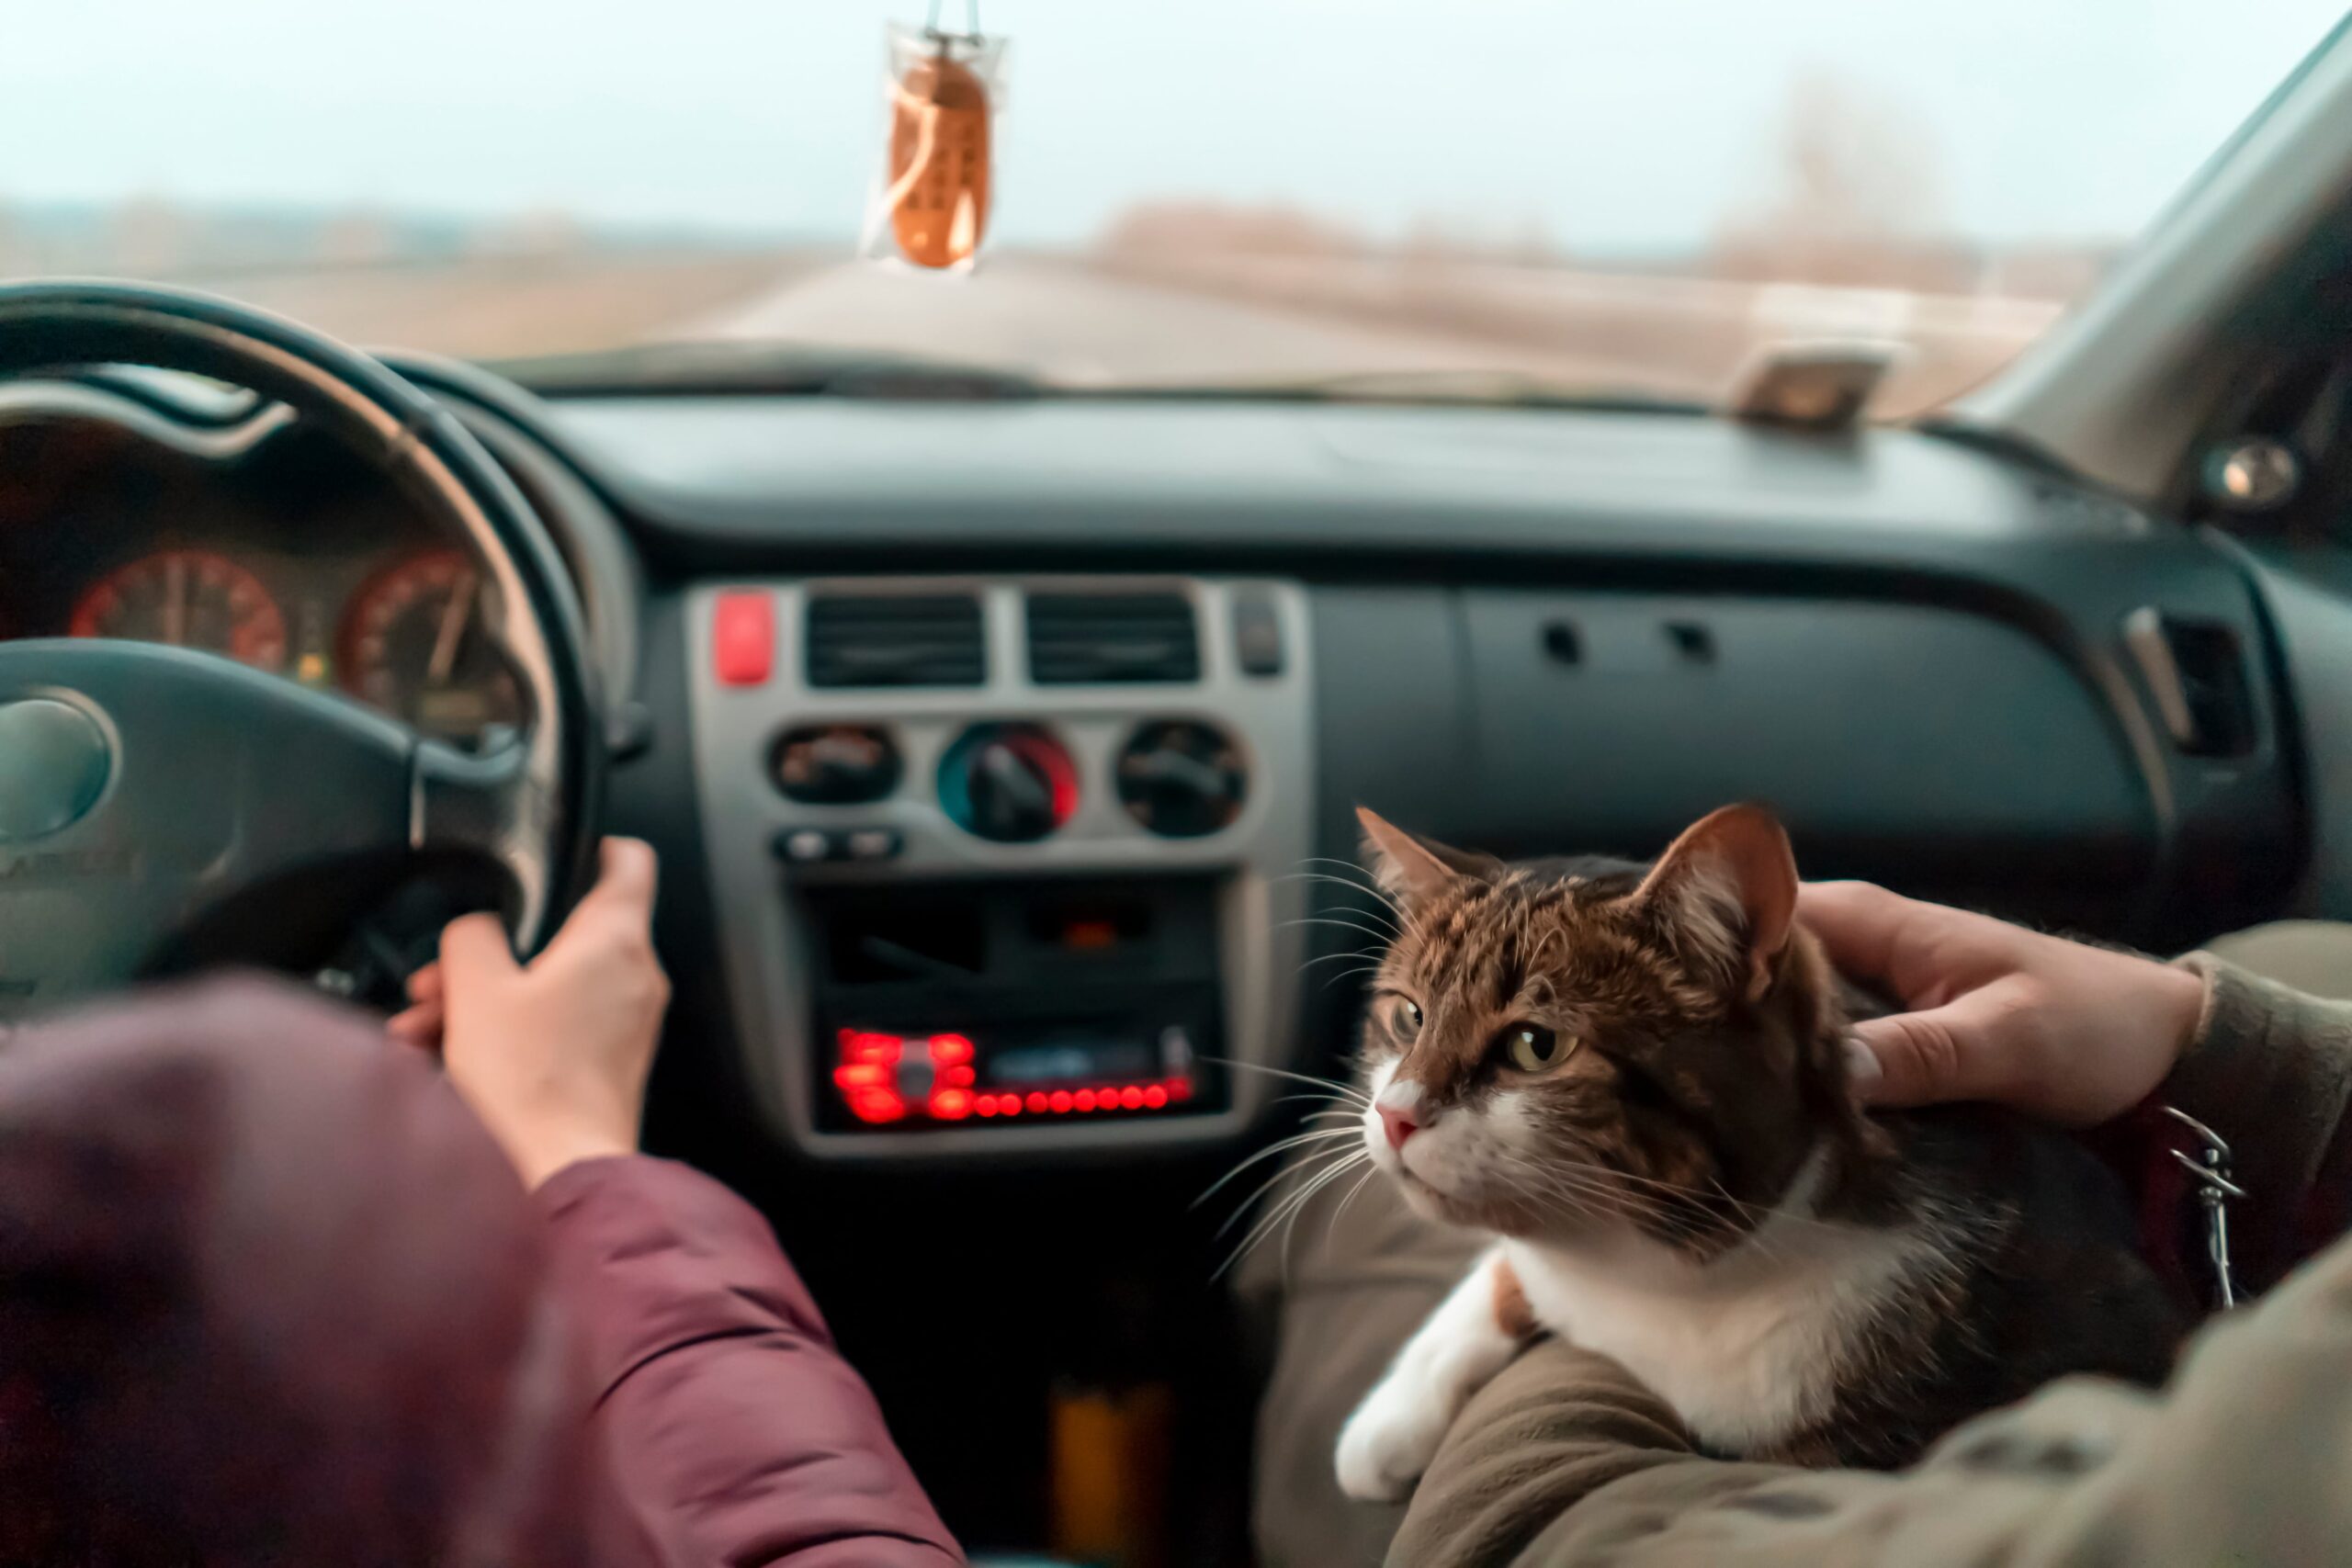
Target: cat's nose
[1398,1124]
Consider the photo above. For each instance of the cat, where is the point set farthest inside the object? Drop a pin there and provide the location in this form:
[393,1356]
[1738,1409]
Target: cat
[1634,1080]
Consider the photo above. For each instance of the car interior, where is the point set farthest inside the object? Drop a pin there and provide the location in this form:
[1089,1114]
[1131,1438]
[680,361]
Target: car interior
[1002,737]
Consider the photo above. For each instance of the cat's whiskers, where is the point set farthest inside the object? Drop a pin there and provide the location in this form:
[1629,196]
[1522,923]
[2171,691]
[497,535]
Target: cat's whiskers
[1755,1213]
[1359,878]
[1576,1191]
[1304,1171]
[1344,1091]
[1325,1099]
[1381,913]
[1355,952]
[1248,1208]
[1288,1205]
[1297,1140]
[1290,1228]
[1336,924]
[1587,1195]
[1370,1171]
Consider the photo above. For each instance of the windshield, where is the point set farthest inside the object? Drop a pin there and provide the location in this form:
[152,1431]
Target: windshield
[1504,198]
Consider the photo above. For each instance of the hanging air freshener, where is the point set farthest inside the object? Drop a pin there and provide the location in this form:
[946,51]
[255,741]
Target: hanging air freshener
[938,171]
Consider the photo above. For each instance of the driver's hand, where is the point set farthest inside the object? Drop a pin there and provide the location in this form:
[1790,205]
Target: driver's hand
[552,1057]
[2071,1034]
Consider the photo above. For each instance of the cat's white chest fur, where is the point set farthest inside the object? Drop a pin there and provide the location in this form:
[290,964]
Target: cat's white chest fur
[1747,1347]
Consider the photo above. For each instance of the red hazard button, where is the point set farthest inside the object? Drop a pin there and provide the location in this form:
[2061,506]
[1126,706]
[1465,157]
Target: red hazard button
[743,638]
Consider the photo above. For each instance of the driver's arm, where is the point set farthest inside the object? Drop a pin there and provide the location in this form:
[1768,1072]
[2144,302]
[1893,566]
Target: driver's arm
[733,1432]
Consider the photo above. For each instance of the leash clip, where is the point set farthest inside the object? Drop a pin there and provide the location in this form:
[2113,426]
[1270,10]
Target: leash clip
[2209,1171]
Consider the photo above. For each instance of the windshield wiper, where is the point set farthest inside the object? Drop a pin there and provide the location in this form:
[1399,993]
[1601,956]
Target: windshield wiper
[1504,389]
[771,369]
[781,369]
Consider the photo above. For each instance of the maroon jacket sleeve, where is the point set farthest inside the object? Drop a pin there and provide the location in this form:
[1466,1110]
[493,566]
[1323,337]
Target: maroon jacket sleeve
[735,1432]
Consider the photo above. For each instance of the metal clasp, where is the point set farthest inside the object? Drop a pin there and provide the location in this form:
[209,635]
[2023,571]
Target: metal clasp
[2209,1169]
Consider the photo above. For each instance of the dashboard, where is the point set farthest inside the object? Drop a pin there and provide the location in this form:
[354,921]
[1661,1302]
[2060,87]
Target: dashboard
[1003,756]
[1948,669]
[258,540]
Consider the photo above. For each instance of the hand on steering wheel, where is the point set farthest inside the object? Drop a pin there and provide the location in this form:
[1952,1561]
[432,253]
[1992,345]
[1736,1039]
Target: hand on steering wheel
[146,790]
[553,1055]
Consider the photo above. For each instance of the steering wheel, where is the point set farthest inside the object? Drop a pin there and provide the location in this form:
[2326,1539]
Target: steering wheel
[148,793]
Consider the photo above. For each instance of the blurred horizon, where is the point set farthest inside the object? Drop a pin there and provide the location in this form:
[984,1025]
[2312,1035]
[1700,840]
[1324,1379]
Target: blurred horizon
[1628,200]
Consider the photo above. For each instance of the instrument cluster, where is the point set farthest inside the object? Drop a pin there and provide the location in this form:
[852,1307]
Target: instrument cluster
[285,562]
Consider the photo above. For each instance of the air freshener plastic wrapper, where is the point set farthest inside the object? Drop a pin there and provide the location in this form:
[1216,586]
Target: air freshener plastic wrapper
[937,180]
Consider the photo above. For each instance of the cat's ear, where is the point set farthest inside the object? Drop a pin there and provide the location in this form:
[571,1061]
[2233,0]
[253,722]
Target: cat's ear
[1409,867]
[1728,887]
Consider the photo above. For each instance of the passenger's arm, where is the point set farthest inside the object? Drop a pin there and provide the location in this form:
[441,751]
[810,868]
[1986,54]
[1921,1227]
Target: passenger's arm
[2271,1069]
[1564,1460]
[2079,1034]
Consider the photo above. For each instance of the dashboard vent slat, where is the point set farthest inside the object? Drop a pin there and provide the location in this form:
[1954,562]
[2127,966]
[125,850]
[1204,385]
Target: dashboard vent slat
[857,640]
[1112,638]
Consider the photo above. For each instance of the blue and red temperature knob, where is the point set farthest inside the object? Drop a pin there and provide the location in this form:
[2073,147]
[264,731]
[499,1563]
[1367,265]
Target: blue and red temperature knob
[1012,783]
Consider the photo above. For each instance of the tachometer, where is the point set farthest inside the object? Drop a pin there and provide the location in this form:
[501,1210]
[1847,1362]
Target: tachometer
[415,644]
[189,599]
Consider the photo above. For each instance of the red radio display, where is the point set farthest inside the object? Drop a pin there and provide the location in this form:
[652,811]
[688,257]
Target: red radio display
[885,1079]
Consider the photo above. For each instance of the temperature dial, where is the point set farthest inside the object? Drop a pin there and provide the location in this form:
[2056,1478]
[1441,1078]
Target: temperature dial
[1181,780]
[1013,782]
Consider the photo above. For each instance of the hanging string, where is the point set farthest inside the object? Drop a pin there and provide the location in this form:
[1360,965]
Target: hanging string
[971,20]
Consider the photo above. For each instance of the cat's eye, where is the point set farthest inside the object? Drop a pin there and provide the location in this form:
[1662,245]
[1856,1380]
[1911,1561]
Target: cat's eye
[1403,1016]
[1531,1048]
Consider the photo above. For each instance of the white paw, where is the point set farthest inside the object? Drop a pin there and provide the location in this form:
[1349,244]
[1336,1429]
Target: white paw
[1389,1441]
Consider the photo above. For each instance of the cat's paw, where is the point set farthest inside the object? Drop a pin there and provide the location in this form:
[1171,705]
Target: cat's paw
[1389,1441]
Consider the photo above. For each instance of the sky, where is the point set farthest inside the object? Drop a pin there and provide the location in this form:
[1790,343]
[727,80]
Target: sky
[1632,126]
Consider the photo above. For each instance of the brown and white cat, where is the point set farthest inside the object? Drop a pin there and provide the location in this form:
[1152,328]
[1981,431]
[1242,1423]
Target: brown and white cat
[1634,1080]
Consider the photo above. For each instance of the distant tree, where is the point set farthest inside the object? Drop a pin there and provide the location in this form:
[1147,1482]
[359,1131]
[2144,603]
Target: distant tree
[1857,163]
[1856,195]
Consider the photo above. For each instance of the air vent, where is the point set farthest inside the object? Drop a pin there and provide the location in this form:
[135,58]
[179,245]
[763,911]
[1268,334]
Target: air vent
[1124,638]
[857,640]
[2196,674]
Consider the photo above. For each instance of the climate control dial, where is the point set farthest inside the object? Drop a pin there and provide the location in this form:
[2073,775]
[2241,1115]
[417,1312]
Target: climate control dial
[1012,783]
[1181,779]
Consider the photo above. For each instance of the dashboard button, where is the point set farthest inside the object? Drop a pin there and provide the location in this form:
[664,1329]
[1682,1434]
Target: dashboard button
[872,844]
[804,846]
[743,638]
[1257,634]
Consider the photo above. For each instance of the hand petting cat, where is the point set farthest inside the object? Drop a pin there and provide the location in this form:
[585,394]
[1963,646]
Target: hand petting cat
[2065,1031]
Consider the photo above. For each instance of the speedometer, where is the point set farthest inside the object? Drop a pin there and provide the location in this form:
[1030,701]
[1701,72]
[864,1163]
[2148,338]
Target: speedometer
[189,599]
[416,644]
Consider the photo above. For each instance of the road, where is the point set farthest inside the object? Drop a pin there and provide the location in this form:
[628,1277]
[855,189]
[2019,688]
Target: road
[1229,320]
[1245,320]
[1070,324]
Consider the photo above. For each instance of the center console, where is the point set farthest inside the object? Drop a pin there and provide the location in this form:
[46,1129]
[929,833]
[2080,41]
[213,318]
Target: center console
[1006,866]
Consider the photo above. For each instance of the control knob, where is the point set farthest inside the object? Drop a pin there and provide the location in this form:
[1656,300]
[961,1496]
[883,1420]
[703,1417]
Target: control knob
[1181,780]
[1012,783]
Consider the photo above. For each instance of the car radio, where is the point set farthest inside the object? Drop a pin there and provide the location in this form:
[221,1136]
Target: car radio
[1000,1003]
[1007,866]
